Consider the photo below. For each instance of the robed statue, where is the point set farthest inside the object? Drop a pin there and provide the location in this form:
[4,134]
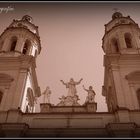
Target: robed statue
[46,94]
[71,85]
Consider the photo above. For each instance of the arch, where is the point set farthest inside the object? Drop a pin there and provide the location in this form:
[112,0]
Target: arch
[128,40]
[30,99]
[36,53]
[30,96]
[115,46]
[1,96]
[26,47]
[13,43]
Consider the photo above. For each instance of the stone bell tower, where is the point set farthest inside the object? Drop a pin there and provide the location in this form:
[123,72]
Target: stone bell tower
[121,44]
[19,47]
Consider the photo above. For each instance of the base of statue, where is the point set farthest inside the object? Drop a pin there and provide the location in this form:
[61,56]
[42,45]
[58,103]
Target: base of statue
[91,106]
[69,101]
[85,108]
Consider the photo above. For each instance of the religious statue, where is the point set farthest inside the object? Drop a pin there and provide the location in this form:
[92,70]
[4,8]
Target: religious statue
[47,94]
[71,85]
[75,99]
[91,95]
[62,101]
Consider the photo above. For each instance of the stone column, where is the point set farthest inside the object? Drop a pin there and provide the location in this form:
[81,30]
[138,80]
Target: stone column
[122,115]
[118,86]
[4,105]
[122,41]
[6,45]
[20,44]
[21,82]
[133,95]
[135,39]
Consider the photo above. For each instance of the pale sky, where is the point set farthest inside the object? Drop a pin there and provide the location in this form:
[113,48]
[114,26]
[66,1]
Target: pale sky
[71,39]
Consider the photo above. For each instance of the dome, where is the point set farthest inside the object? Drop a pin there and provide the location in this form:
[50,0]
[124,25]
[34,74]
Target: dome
[117,15]
[27,18]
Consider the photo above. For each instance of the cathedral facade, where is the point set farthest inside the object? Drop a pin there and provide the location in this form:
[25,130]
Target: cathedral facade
[19,89]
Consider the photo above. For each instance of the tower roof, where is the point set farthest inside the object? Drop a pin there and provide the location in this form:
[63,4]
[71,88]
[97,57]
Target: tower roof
[117,20]
[25,22]
[22,26]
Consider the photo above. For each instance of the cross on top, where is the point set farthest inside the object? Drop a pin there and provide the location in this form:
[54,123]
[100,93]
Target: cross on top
[115,10]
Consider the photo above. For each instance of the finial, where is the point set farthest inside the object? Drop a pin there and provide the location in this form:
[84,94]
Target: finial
[115,10]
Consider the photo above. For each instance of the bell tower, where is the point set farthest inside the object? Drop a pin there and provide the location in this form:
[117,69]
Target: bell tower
[19,47]
[121,45]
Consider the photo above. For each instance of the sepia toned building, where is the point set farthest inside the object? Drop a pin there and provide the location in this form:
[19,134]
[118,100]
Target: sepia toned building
[19,89]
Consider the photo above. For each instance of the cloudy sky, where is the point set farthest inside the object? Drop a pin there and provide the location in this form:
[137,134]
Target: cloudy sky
[71,38]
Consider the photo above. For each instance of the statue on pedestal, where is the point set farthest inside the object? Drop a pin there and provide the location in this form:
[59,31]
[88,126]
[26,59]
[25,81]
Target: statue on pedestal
[71,85]
[72,98]
[46,94]
[91,95]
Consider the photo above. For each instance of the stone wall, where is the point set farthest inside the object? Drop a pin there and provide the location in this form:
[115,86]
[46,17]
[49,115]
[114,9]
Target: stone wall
[14,123]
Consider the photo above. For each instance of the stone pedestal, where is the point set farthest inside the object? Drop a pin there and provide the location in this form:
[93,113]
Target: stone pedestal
[69,101]
[49,108]
[45,107]
[91,107]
